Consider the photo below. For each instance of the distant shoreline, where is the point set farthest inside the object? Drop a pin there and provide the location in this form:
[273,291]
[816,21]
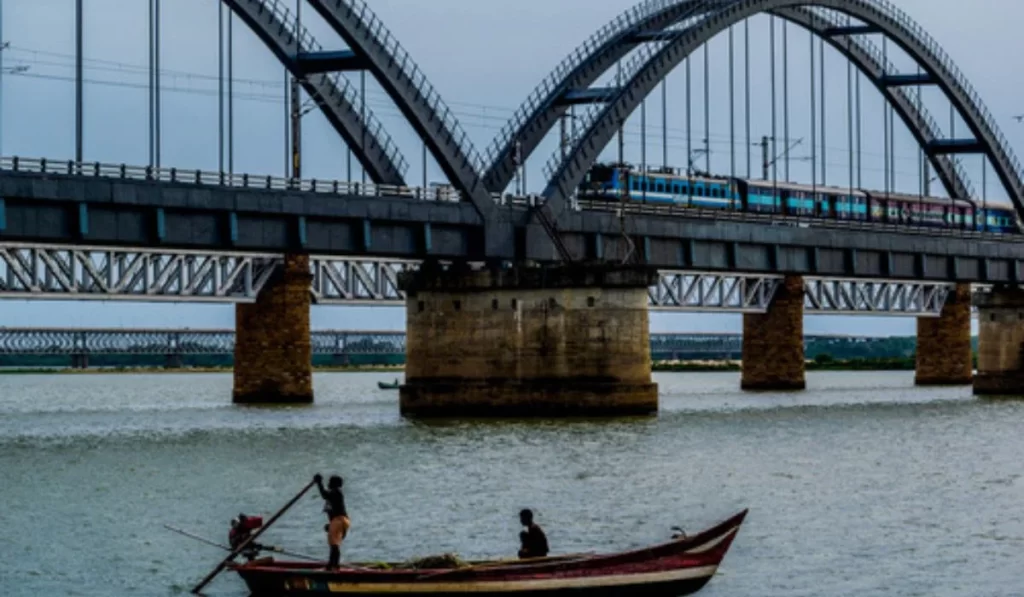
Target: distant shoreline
[905,364]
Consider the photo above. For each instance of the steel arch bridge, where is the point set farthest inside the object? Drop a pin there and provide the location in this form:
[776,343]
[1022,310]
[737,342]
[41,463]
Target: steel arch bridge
[840,23]
[656,35]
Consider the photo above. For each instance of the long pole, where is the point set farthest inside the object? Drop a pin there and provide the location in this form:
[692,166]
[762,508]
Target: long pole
[707,110]
[251,538]
[643,149]
[79,92]
[220,87]
[231,95]
[732,104]
[785,92]
[746,91]
[1,76]
[664,123]
[151,90]
[156,80]
[775,168]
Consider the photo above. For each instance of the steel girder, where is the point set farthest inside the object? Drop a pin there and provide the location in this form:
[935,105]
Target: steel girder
[273,23]
[355,281]
[76,273]
[867,297]
[655,65]
[59,272]
[408,87]
[83,273]
[730,293]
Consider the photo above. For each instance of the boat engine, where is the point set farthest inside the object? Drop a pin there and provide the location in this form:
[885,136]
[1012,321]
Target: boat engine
[242,528]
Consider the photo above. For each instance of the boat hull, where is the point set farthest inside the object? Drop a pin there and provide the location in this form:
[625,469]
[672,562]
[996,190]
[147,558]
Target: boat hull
[271,587]
[681,567]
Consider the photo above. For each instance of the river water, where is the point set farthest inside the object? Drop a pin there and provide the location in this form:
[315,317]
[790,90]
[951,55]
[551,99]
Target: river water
[863,485]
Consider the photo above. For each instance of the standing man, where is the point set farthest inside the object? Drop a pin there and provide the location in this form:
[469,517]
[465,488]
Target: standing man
[337,516]
[534,544]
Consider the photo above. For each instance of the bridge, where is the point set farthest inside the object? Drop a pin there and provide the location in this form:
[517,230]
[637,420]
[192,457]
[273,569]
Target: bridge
[78,345]
[521,288]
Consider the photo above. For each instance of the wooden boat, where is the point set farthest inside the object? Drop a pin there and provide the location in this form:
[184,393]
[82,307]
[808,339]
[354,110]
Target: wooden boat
[680,567]
[388,386]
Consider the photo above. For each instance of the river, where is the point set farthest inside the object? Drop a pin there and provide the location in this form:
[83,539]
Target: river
[862,485]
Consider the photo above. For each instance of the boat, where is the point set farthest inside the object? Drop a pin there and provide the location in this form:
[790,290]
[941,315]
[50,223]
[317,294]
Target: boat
[681,566]
[388,386]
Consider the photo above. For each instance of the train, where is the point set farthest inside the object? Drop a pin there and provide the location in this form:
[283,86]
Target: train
[666,186]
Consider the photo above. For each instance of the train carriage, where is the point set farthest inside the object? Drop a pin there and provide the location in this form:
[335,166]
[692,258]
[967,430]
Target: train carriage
[666,186]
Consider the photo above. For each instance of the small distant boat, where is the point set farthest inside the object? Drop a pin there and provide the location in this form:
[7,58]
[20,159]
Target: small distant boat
[680,567]
[388,386]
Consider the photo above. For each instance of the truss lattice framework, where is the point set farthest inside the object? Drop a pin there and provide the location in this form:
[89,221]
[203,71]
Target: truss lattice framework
[731,293]
[827,17]
[58,272]
[77,273]
[839,297]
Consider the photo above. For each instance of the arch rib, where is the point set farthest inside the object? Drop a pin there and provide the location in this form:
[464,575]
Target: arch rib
[418,101]
[586,149]
[334,95]
[541,111]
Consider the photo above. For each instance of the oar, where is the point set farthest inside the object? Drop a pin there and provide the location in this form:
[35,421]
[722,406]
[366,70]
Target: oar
[272,548]
[234,553]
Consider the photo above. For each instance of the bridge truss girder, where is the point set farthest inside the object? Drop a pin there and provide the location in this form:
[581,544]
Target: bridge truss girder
[88,273]
[889,21]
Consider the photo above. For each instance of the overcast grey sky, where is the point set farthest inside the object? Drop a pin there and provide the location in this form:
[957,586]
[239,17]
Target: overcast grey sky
[484,57]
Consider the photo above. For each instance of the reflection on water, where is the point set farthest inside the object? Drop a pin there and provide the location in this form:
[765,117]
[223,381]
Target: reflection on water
[862,485]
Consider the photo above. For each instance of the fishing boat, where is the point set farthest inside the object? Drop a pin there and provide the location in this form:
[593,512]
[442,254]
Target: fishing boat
[679,567]
[388,386]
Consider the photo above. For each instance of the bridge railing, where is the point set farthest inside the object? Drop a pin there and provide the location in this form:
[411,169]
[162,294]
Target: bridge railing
[223,179]
[307,43]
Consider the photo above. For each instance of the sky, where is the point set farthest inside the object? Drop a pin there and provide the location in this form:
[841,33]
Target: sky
[483,57]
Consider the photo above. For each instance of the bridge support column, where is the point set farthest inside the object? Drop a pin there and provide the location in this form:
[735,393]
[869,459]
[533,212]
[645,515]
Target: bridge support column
[173,361]
[944,343]
[538,342]
[1000,342]
[80,361]
[773,342]
[273,352]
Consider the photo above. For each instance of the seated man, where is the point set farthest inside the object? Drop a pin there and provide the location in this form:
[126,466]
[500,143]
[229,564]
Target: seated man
[534,544]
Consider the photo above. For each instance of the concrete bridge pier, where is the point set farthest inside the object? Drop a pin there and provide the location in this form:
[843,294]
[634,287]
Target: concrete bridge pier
[944,343]
[538,342]
[273,352]
[174,361]
[773,342]
[80,361]
[1000,342]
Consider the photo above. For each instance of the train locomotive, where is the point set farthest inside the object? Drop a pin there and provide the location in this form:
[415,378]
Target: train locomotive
[618,182]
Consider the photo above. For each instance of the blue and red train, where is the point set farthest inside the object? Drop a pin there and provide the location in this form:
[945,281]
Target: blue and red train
[616,182]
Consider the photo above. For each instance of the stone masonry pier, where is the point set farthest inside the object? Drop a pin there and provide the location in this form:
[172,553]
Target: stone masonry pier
[273,353]
[539,342]
[944,343]
[773,342]
[1000,342]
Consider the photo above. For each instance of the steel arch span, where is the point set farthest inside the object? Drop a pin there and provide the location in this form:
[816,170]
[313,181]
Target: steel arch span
[420,104]
[334,95]
[704,19]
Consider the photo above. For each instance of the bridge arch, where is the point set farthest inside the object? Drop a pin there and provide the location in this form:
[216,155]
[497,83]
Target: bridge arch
[710,17]
[334,95]
[420,104]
